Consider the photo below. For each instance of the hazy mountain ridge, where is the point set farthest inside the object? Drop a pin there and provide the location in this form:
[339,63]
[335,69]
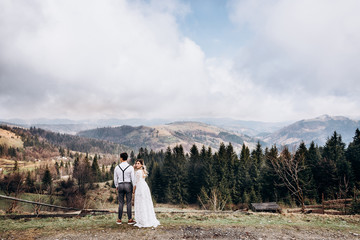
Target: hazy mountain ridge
[163,136]
[251,128]
[208,132]
[317,129]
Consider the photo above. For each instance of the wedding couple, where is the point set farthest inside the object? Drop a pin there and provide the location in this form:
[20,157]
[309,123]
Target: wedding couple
[127,182]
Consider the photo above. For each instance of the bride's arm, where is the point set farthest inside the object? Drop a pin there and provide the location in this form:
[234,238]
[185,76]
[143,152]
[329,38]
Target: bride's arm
[137,178]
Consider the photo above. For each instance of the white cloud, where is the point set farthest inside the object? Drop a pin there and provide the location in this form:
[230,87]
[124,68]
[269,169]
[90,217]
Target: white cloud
[99,59]
[96,58]
[305,50]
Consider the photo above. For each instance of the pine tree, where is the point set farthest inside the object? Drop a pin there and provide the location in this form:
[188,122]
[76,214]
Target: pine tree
[95,169]
[313,161]
[327,179]
[168,173]
[306,175]
[76,165]
[157,184]
[269,177]
[208,172]
[112,169]
[257,161]
[179,191]
[30,183]
[221,168]
[62,151]
[232,165]
[334,151]
[141,154]
[103,173]
[245,164]
[83,174]
[353,156]
[132,158]
[219,163]
[306,178]
[47,179]
[237,190]
[57,168]
[87,176]
[195,183]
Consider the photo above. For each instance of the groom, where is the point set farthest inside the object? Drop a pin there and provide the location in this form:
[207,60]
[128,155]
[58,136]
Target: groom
[124,180]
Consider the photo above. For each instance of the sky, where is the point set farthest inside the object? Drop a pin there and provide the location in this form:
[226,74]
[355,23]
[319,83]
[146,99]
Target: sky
[272,61]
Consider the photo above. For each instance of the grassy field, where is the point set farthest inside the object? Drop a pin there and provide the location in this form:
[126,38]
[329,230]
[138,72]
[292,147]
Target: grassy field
[186,222]
[199,225]
[10,139]
[8,164]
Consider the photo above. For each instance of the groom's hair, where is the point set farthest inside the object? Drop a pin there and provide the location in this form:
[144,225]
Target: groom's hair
[124,156]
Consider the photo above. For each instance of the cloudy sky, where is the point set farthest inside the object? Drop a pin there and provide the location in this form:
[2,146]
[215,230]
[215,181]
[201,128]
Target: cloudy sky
[275,60]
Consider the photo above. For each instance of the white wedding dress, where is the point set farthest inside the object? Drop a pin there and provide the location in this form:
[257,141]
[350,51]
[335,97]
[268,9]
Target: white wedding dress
[143,204]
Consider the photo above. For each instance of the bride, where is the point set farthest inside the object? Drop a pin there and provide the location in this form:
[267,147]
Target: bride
[144,209]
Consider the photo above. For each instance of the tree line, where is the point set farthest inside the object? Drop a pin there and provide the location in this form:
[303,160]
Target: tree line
[300,177]
[213,179]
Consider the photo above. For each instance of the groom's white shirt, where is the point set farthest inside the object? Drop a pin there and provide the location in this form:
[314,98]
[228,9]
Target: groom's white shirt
[128,174]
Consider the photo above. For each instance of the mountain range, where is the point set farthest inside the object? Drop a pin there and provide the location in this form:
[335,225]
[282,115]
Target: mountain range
[159,133]
[317,129]
[172,134]
[251,128]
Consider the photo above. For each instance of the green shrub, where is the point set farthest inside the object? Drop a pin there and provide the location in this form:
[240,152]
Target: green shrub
[355,207]
[111,198]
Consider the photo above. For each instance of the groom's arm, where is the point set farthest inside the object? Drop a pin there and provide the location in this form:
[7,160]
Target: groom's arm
[116,182]
[133,181]
[132,176]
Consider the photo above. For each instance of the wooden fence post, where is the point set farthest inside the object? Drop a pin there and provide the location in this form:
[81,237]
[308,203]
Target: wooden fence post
[322,203]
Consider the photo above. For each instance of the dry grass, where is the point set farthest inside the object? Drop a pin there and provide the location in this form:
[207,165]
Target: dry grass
[10,139]
[176,225]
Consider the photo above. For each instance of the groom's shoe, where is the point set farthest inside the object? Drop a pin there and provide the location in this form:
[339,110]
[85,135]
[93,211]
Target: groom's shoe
[131,221]
[118,221]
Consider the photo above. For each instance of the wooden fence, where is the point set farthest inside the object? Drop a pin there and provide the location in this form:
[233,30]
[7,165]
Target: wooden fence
[75,211]
[333,207]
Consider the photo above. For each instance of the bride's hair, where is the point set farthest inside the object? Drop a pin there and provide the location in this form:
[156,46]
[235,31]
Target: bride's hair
[143,167]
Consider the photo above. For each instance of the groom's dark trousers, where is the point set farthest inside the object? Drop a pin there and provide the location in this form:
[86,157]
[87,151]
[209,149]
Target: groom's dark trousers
[125,188]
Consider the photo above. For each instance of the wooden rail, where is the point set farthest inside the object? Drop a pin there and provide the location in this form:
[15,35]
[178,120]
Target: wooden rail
[38,203]
[334,207]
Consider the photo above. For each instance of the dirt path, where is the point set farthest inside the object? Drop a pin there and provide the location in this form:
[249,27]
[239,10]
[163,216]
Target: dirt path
[189,232]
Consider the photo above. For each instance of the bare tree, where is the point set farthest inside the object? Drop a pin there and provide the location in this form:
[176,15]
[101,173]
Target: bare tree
[214,201]
[288,168]
[12,184]
[344,187]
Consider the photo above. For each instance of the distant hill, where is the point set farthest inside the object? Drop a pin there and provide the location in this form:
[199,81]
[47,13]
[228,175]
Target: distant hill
[162,136]
[81,144]
[69,128]
[317,129]
[10,139]
[159,134]
[250,128]
[18,137]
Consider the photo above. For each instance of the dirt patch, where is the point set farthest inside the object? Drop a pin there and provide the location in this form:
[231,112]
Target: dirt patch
[193,232]
[20,235]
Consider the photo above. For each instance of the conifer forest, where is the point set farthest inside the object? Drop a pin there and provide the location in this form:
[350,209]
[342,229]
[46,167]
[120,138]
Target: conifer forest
[216,179]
